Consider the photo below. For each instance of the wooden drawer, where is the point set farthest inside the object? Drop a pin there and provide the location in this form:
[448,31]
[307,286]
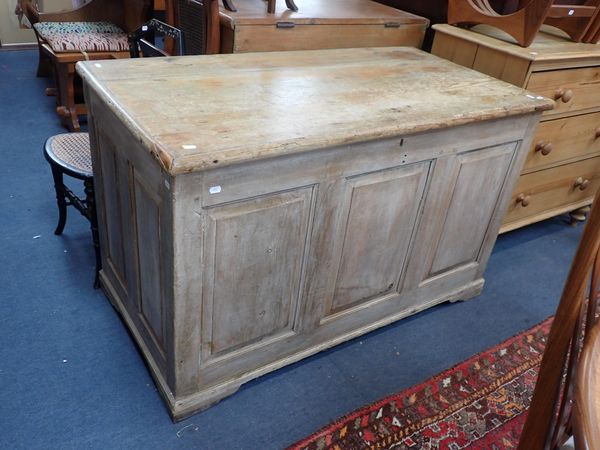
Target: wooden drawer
[572,89]
[547,192]
[564,139]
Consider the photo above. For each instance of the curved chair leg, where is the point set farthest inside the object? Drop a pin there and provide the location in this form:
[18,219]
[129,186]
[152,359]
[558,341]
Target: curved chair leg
[60,199]
[91,212]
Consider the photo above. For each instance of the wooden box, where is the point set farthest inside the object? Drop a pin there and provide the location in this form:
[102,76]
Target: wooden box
[562,170]
[259,208]
[318,25]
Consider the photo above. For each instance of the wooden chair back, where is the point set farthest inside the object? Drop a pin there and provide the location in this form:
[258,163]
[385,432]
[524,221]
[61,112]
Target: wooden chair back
[549,420]
[586,401]
[522,24]
[522,19]
[200,23]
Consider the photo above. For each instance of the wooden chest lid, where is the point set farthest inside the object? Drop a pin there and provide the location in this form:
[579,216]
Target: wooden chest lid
[200,112]
[315,12]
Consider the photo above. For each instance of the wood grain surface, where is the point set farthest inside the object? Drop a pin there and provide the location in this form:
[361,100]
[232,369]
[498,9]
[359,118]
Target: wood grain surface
[210,111]
[318,12]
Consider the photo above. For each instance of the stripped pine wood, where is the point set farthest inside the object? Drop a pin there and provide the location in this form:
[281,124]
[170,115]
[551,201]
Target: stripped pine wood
[239,203]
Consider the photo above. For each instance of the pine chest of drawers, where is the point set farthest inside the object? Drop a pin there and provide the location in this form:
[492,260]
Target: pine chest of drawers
[261,207]
[562,170]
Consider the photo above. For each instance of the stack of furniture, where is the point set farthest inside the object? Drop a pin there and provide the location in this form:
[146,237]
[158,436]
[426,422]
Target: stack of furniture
[523,19]
[562,170]
[316,25]
[94,31]
[434,10]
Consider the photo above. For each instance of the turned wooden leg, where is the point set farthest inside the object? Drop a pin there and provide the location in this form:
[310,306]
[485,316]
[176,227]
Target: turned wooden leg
[44,68]
[90,204]
[579,215]
[66,108]
[59,187]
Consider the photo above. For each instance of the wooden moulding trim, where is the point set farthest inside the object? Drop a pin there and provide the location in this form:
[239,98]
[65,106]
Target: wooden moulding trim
[506,227]
[20,46]
[186,406]
[479,37]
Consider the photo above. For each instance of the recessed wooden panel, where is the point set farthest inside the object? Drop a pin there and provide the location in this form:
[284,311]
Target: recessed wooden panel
[257,251]
[478,184]
[115,183]
[381,211]
[151,302]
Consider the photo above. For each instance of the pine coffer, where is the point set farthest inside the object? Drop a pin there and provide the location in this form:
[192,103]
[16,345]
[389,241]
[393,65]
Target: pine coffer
[257,208]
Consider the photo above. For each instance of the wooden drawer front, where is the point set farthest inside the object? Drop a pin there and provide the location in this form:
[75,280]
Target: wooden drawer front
[563,139]
[545,190]
[573,89]
[266,38]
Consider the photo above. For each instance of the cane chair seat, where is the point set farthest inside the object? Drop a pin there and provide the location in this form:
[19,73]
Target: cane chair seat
[72,150]
[69,154]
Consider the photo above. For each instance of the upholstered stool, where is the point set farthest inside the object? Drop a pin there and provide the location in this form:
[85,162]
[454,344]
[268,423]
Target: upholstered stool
[66,43]
[69,154]
[82,36]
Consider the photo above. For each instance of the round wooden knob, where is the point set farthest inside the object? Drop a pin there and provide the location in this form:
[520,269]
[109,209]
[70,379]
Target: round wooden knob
[581,183]
[597,132]
[564,95]
[523,200]
[544,147]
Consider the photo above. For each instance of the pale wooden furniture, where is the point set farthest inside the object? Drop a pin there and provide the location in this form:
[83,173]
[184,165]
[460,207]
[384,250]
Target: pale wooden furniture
[522,19]
[262,207]
[550,415]
[317,25]
[562,170]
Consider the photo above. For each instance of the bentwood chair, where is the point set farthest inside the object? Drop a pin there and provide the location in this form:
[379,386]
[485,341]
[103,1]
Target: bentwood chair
[550,416]
[96,30]
[69,154]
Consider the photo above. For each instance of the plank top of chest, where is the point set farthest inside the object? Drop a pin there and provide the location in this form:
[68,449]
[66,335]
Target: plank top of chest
[217,110]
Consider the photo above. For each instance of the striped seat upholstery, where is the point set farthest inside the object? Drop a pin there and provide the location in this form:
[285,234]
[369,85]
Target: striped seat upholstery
[82,36]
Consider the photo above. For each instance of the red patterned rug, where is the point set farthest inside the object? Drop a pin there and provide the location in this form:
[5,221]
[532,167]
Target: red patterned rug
[480,403]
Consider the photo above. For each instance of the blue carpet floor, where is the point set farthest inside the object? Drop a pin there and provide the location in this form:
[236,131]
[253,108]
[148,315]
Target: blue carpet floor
[72,378]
